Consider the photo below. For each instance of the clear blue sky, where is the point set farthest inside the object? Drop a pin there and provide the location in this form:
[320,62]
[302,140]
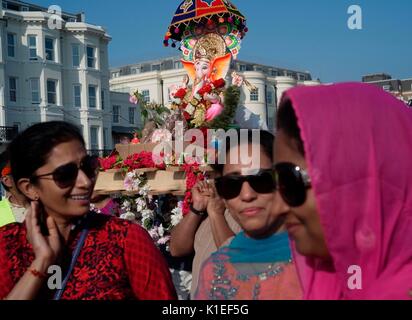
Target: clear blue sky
[305,35]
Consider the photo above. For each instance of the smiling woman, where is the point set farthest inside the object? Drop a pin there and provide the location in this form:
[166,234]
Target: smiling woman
[257,263]
[102,257]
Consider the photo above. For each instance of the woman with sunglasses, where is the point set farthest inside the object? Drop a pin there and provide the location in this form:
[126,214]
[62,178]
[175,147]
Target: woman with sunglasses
[343,157]
[64,251]
[256,265]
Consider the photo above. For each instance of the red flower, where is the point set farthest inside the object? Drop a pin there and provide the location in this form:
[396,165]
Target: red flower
[205,89]
[141,160]
[113,162]
[186,115]
[181,93]
[219,83]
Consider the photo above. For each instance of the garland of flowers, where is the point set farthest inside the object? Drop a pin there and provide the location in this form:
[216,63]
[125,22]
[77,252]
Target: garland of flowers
[142,160]
[195,107]
[193,175]
[111,162]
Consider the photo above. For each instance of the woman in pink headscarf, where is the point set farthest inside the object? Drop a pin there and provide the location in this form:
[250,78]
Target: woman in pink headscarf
[343,158]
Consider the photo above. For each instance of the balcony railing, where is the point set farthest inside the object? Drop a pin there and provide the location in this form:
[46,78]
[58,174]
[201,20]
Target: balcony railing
[99,153]
[7,134]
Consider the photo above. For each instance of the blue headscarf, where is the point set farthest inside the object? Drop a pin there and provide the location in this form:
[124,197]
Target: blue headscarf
[273,249]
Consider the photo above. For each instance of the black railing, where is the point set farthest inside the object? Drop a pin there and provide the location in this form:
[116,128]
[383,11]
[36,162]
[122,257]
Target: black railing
[7,134]
[99,153]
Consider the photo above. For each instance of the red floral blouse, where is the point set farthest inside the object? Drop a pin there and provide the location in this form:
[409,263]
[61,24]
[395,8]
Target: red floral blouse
[118,261]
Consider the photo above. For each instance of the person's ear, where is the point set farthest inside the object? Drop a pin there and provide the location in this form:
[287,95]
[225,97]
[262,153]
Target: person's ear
[28,189]
[7,181]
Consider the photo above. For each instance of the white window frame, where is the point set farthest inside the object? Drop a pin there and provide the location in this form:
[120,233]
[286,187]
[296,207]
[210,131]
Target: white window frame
[91,99]
[103,98]
[11,46]
[89,57]
[146,97]
[132,115]
[116,115]
[77,98]
[96,145]
[32,47]
[47,50]
[75,45]
[14,90]
[56,83]
[35,90]
[254,95]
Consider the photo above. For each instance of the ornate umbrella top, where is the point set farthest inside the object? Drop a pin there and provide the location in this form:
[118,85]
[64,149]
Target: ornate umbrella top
[206,13]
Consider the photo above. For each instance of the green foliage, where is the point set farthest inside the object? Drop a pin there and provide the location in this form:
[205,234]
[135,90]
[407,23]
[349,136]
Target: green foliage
[224,120]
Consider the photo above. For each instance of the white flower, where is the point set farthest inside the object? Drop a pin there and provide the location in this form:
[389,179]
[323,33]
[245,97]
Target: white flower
[128,216]
[163,240]
[185,280]
[177,215]
[153,233]
[147,214]
[190,109]
[160,230]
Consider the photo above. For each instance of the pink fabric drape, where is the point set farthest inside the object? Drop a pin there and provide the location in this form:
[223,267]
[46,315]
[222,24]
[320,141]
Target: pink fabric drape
[358,144]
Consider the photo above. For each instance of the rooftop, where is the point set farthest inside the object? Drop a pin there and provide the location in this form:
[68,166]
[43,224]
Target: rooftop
[174,63]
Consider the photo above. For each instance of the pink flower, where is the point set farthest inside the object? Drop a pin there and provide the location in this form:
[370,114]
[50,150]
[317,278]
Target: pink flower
[133,99]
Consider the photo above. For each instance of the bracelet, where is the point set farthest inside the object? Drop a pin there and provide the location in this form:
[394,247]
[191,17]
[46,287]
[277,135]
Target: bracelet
[37,273]
[197,212]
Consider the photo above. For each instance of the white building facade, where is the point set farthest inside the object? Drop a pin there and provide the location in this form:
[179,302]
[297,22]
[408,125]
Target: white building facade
[55,69]
[153,79]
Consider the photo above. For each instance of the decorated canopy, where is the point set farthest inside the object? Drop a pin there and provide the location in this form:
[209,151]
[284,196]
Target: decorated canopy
[198,12]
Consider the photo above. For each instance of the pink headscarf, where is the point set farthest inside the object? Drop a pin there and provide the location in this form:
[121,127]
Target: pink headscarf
[358,145]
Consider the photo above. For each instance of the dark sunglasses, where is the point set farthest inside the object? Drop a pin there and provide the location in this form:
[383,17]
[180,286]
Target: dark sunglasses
[229,187]
[292,183]
[65,176]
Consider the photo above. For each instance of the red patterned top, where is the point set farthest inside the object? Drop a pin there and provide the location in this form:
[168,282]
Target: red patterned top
[118,261]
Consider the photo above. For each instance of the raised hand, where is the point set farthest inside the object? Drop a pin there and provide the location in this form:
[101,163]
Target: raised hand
[201,196]
[216,205]
[46,248]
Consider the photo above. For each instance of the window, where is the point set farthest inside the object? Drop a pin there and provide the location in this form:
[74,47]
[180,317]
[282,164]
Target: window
[35,90]
[11,45]
[49,45]
[76,55]
[269,98]
[51,91]
[105,141]
[17,125]
[102,96]
[242,68]
[77,92]
[178,65]
[116,114]
[32,41]
[13,89]
[131,115]
[254,95]
[91,61]
[92,97]
[94,143]
[25,8]
[146,96]
[302,77]
[156,67]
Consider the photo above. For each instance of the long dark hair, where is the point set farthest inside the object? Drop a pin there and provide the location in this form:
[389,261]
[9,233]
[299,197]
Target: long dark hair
[31,148]
[288,123]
